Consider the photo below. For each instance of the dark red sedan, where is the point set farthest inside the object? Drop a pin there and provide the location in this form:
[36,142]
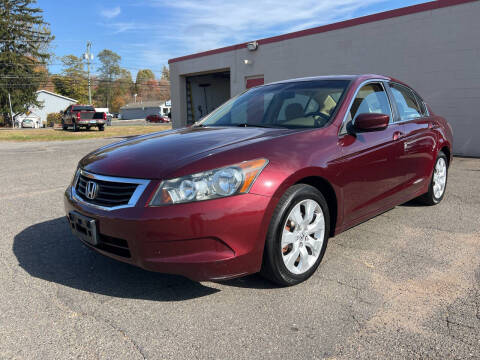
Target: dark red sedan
[157,119]
[262,182]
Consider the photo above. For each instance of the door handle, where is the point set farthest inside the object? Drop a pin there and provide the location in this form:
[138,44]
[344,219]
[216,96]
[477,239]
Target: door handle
[398,135]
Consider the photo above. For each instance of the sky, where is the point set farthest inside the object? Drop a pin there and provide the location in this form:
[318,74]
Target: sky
[147,33]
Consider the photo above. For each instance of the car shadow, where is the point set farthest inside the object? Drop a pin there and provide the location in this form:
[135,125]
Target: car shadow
[254,281]
[49,251]
[412,203]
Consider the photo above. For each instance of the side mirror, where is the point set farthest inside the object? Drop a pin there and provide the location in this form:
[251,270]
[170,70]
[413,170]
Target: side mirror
[371,122]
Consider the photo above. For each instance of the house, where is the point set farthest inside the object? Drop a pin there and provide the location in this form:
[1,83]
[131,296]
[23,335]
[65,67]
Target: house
[432,46]
[50,103]
[142,109]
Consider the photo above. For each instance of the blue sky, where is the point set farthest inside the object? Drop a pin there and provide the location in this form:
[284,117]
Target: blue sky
[146,33]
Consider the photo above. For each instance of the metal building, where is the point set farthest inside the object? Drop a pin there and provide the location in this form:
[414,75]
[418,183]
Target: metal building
[143,109]
[434,47]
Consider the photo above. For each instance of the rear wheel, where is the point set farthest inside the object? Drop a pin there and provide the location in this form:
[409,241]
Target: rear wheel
[75,126]
[438,183]
[64,126]
[297,237]
[101,128]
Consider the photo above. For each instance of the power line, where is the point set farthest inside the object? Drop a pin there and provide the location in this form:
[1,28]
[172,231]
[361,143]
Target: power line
[37,79]
[46,78]
[41,77]
[55,40]
[46,83]
[93,63]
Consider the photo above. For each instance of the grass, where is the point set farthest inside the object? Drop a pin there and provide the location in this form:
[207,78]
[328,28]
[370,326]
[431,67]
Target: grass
[59,134]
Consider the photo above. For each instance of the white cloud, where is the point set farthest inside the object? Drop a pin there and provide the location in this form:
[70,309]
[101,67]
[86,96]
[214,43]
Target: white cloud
[193,26]
[110,13]
[214,23]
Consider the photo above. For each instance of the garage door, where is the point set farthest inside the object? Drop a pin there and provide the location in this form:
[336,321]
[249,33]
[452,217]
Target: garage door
[205,93]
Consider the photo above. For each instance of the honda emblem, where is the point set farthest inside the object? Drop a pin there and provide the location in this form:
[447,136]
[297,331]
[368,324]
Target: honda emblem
[91,190]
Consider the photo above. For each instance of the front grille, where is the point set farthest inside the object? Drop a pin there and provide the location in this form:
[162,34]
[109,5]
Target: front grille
[109,194]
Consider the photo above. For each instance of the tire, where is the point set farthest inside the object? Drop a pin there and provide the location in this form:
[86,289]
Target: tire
[75,127]
[438,182]
[281,264]
[64,126]
[88,128]
[101,128]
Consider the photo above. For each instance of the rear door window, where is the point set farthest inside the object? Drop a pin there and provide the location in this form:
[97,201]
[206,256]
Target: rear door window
[421,104]
[407,106]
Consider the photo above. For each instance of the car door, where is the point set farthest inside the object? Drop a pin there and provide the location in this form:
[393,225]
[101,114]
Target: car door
[370,176]
[418,143]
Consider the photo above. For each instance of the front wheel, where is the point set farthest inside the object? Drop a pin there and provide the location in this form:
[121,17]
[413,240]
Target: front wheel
[297,237]
[438,183]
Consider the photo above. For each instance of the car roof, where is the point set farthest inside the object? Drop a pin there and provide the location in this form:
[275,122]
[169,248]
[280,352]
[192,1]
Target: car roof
[361,77]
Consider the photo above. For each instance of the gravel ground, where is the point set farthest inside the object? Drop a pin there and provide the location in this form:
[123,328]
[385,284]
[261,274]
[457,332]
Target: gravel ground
[403,285]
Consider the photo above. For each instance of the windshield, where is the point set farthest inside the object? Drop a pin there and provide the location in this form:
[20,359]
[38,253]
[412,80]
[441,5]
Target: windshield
[301,104]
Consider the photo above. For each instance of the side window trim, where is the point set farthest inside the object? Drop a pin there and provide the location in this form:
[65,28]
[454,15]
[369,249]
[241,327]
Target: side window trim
[342,130]
[388,100]
[396,115]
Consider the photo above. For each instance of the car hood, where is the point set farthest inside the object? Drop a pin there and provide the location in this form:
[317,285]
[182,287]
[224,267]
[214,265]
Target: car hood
[156,155]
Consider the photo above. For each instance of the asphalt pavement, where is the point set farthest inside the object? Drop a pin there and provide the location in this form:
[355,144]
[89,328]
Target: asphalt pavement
[405,284]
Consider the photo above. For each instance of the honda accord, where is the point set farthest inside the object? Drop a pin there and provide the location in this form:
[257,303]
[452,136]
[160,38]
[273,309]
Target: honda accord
[262,182]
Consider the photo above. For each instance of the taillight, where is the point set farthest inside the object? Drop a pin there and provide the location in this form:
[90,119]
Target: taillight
[105,116]
[78,115]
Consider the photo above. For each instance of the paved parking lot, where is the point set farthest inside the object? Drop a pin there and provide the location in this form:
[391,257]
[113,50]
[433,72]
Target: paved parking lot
[403,285]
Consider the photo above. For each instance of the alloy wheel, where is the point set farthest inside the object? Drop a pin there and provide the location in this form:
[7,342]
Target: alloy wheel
[302,236]
[439,178]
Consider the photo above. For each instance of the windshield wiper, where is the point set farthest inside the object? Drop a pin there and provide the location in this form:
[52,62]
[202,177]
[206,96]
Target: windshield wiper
[256,125]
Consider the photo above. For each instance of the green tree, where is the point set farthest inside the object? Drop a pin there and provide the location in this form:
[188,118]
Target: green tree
[24,43]
[144,75]
[146,86]
[73,81]
[123,89]
[109,71]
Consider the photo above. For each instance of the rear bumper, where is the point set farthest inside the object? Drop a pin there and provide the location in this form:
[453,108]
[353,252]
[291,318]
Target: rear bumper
[88,122]
[215,239]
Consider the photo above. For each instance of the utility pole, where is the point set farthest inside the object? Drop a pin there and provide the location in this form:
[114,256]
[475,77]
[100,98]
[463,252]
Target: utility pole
[11,111]
[89,57]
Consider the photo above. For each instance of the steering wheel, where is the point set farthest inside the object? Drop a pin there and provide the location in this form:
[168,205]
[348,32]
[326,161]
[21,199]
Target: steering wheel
[324,117]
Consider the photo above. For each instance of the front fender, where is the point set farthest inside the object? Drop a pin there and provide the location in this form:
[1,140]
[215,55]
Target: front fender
[275,185]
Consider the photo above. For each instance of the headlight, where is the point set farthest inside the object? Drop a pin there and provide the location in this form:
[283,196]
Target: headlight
[212,184]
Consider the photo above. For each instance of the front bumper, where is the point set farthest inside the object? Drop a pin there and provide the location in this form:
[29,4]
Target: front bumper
[207,240]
